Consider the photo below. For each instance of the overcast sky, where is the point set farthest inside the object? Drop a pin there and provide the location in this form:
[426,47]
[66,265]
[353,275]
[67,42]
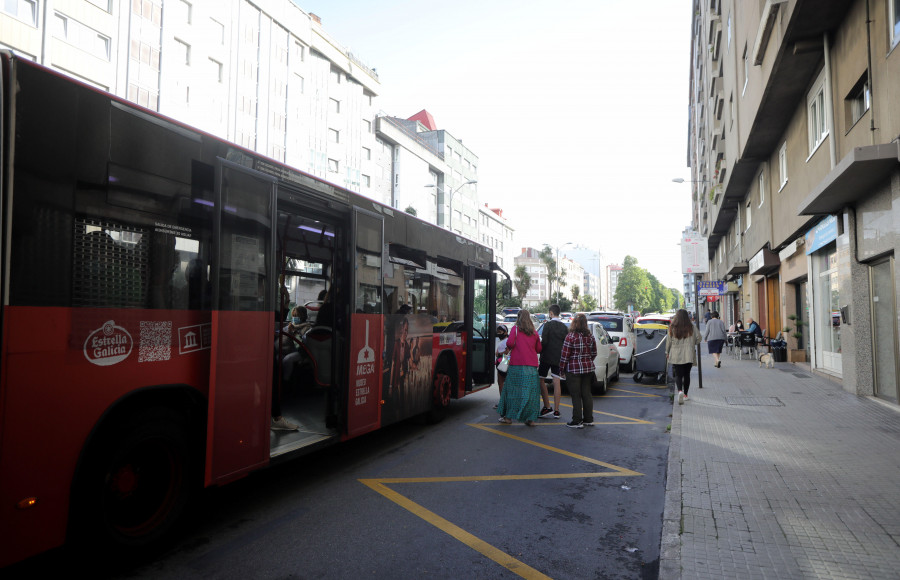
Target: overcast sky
[577,110]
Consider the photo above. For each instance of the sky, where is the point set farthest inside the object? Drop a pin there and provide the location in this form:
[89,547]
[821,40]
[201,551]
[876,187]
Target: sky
[577,110]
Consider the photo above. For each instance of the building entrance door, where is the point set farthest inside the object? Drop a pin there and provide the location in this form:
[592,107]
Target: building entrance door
[827,313]
[884,329]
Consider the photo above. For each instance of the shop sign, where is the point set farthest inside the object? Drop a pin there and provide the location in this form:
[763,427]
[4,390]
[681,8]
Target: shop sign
[824,233]
[710,287]
[764,259]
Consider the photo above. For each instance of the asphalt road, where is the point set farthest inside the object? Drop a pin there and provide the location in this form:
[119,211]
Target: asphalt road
[466,498]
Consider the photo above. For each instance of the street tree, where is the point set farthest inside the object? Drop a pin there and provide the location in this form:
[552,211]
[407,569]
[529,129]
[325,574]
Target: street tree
[522,282]
[633,288]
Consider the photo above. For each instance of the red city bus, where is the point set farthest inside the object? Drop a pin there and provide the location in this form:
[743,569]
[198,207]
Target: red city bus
[148,272]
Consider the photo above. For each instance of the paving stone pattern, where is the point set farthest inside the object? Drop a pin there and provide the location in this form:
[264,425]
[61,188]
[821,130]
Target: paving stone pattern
[780,475]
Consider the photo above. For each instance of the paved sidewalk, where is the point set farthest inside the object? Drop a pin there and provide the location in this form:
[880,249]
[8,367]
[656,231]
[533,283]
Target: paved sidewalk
[779,473]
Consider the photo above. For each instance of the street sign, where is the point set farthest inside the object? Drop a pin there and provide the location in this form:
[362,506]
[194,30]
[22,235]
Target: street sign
[694,254]
[710,287]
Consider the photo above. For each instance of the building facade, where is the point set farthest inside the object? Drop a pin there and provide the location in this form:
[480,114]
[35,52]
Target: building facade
[495,231]
[613,271]
[794,155]
[263,74]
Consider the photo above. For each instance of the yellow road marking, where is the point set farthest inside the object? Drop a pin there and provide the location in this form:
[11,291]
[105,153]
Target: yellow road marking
[538,423]
[499,556]
[491,429]
[635,393]
[477,544]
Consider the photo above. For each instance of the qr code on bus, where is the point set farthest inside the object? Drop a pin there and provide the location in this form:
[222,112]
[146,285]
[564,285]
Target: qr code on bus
[156,341]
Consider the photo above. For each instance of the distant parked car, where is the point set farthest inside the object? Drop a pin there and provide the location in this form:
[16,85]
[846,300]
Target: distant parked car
[566,316]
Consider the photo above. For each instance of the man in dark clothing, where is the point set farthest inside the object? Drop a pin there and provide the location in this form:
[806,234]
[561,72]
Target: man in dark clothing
[552,337]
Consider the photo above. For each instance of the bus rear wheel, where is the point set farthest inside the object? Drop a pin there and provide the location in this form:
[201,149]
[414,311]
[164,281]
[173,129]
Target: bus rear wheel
[136,483]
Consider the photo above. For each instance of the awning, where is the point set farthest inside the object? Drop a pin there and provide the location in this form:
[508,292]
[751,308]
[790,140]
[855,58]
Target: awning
[852,179]
[764,262]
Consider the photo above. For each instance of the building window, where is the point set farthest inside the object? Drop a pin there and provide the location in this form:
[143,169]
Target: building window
[335,105]
[299,52]
[333,166]
[816,119]
[782,165]
[24,10]
[367,153]
[367,181]
[336,76]
[367,126]
[184,10]
[859,100]
[216,70]
[334,135]
[102,5]
[729,31]
[81,36]
[746,71]
[747,216]
[761,181]
[183,52]
[218,31]
[895,21]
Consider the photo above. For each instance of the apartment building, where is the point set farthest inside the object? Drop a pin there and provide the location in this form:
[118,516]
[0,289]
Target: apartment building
[793,147]
[263,74]
[613,271]
[495,231]
[539,291]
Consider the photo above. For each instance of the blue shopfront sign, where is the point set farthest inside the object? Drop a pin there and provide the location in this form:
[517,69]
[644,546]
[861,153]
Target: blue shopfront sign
[821,235]
[710,287]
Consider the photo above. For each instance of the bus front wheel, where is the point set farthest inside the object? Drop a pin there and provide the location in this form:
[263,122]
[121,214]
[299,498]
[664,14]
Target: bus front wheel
[136,482]
[440,396]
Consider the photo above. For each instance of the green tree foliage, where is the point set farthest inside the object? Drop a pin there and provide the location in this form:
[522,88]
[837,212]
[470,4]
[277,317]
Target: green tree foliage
[411,210]
[548,257]
[521,281]
[576,291]
[634,288]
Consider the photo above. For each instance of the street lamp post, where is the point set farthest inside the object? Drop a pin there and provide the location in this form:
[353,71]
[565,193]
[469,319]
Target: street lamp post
[450,201]
[557,269]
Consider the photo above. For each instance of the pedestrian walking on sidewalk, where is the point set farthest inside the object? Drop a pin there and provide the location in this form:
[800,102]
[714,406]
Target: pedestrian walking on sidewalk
[681,351]
[715,336]
[576,364]
[520,399]
[552,337]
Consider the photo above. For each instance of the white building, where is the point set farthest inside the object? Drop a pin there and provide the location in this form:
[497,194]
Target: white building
[263,74]
[495,231]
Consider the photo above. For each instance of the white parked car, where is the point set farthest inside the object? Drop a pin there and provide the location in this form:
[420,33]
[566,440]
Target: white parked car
[606,365]
[621,329]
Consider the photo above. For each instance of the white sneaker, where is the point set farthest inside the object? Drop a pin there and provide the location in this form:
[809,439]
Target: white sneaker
[283,424]
[681,397]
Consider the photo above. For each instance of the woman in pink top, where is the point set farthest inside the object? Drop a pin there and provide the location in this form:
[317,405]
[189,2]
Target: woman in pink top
[521,396]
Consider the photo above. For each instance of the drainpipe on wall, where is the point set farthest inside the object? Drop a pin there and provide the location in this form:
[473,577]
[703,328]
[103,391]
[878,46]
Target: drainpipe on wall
[869,74]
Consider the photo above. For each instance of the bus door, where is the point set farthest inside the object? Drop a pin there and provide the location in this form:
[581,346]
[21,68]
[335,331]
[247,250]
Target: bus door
[481,316]
[243,326]
[366,331]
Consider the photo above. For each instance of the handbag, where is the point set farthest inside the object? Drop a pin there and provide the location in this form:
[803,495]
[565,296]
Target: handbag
[503,365]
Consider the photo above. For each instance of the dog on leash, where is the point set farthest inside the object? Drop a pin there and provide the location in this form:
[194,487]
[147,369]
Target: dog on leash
[767,359]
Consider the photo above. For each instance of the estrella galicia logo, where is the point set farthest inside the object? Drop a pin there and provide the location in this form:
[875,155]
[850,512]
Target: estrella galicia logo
[108,345]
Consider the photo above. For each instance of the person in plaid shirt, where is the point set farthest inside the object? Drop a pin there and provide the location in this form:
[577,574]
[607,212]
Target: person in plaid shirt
[576,365]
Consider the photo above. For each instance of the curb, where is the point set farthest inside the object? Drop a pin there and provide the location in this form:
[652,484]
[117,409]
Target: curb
[670,542]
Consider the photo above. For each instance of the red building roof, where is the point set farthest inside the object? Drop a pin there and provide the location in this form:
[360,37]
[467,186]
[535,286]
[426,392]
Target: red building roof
[426,119]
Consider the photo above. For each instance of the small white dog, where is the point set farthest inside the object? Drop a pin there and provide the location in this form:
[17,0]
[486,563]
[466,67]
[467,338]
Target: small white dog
[767,359]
